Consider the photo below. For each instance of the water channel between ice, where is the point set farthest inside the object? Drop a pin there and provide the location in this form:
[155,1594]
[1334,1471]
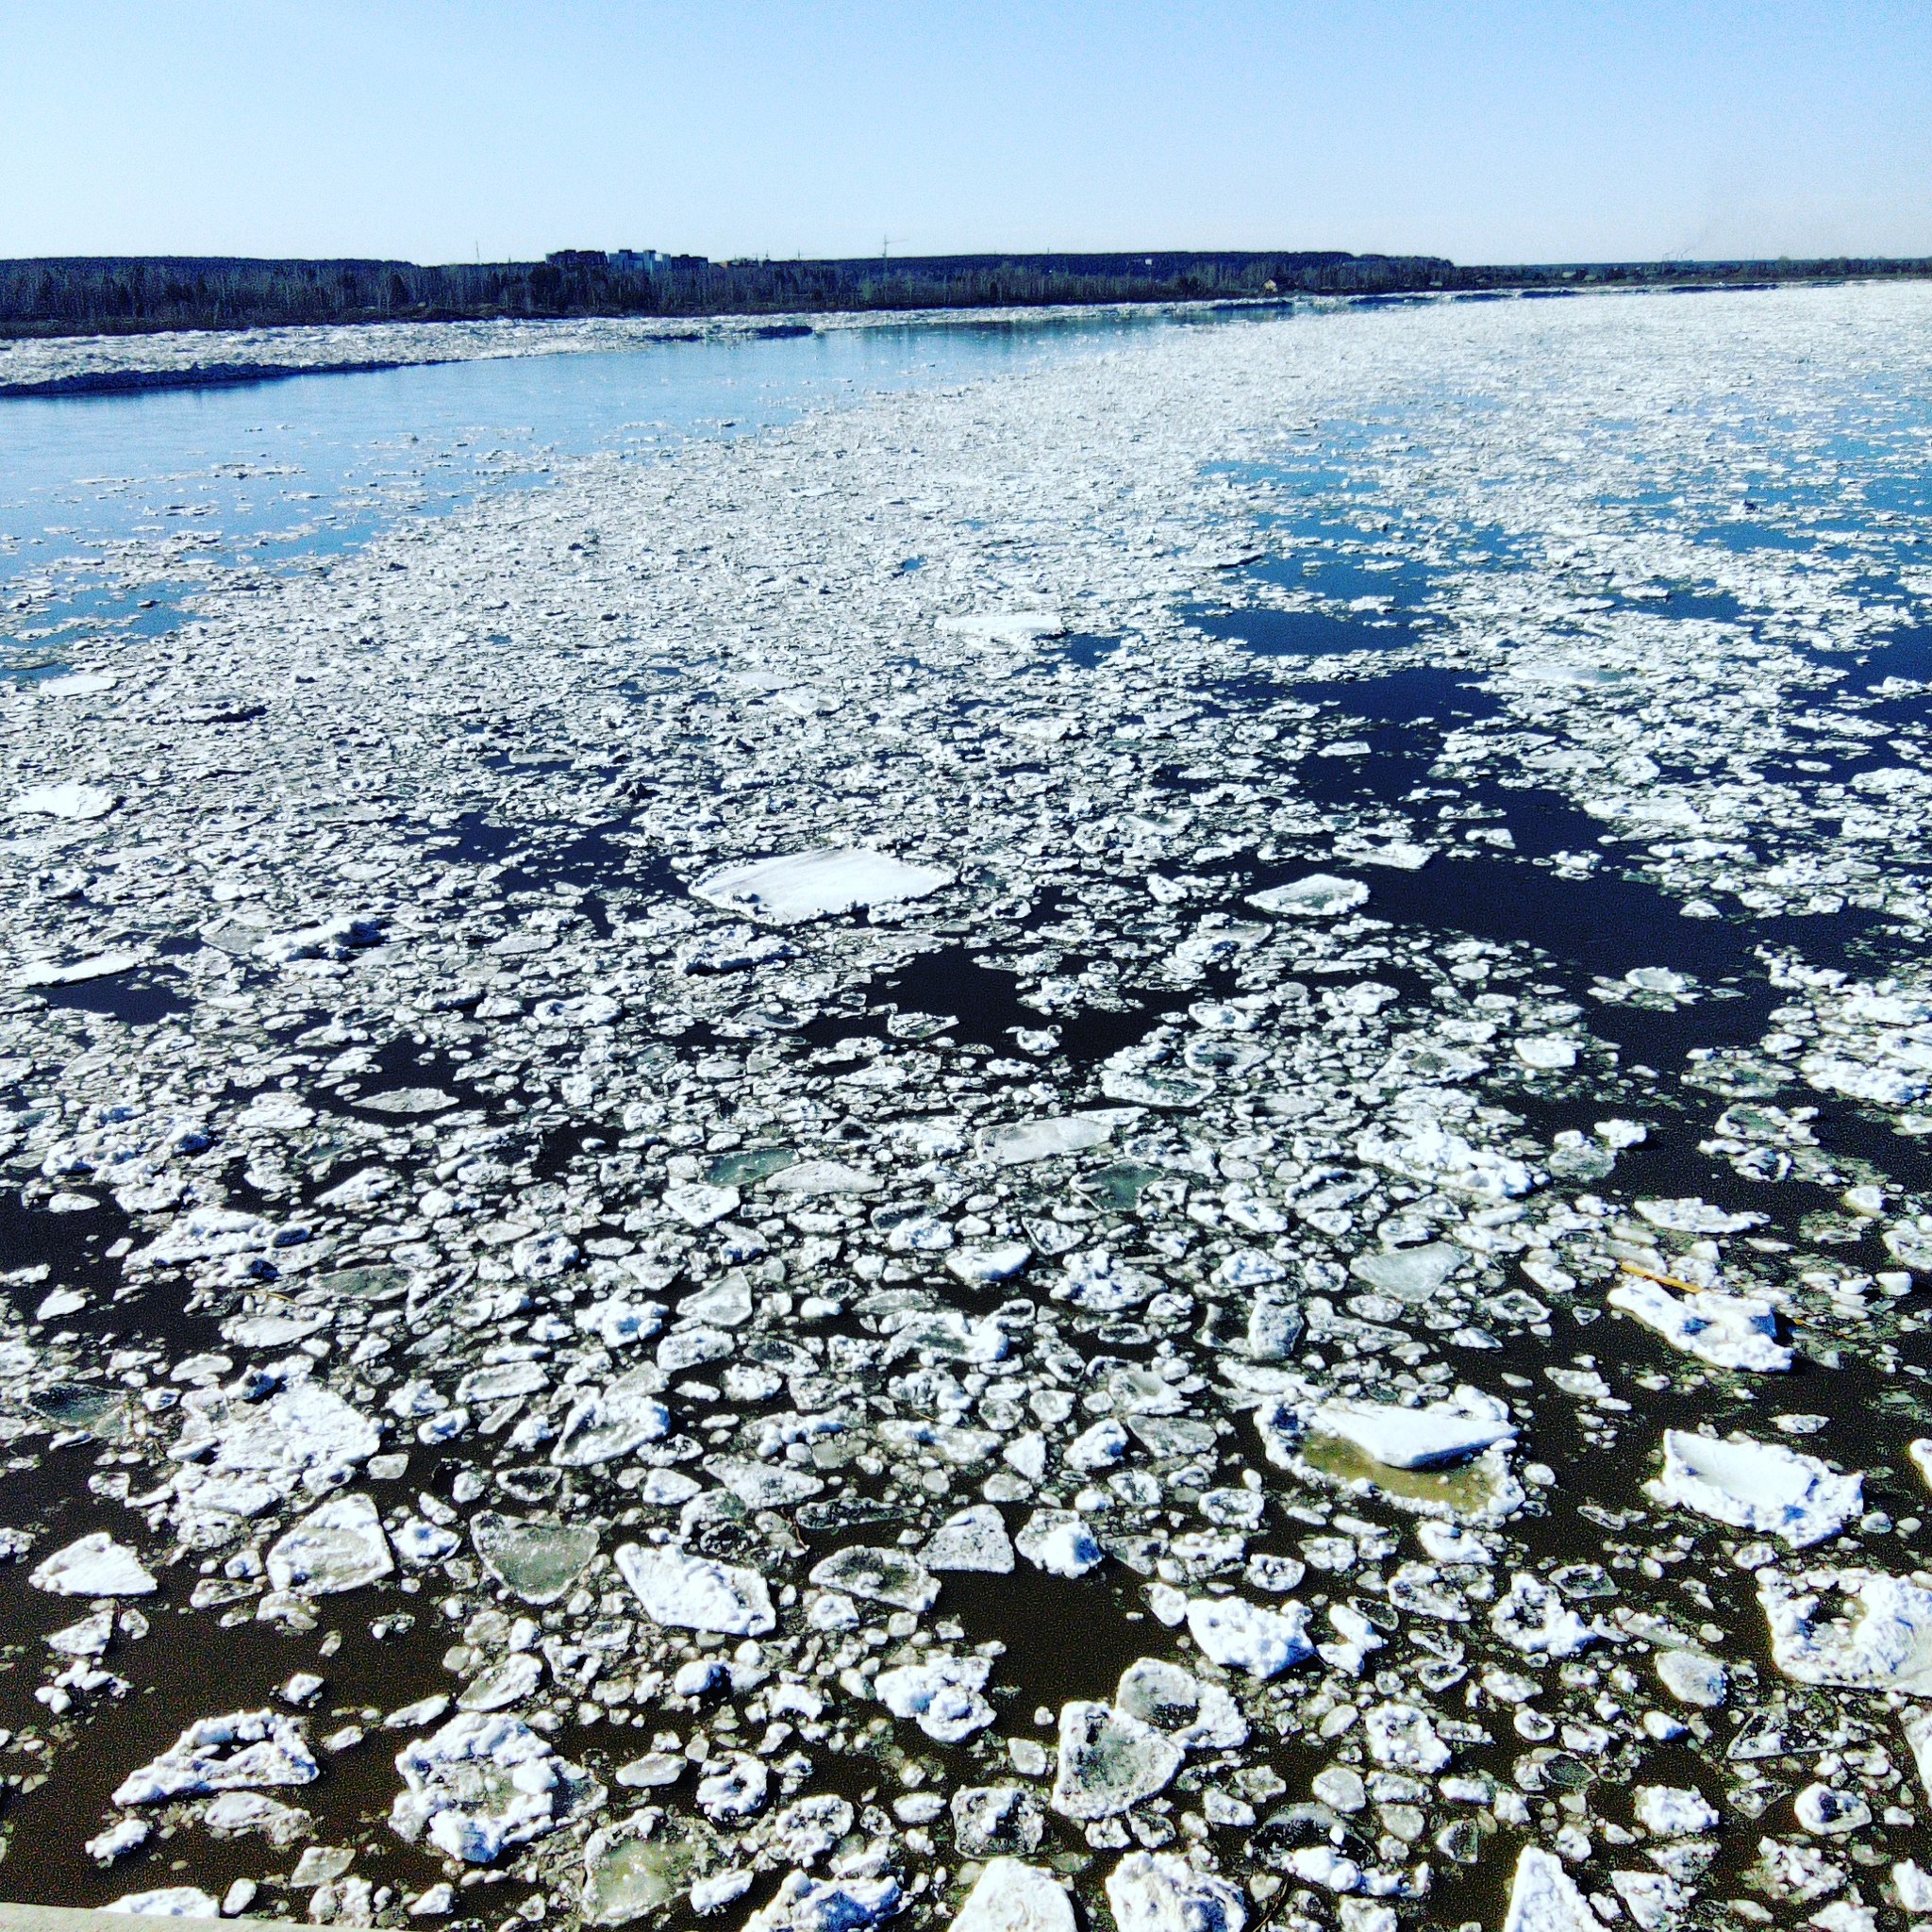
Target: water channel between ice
[1172,1311]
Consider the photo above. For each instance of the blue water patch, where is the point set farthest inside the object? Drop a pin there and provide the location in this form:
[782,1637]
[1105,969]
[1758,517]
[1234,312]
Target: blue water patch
[1298,633]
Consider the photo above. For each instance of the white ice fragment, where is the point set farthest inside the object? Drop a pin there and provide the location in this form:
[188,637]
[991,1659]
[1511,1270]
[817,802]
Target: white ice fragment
[1018,1142]
[1319,895]
[1673,1811]
[1002,626]
[1108,1761]
[1242,1636]
[1760,1487]
[1431,1436]
[805,1178]
[879,1574]
[695,1592]
[1157,1892]
[977,1267]
[1410,1274]
[829,1904]
[974,1539]
[1059,1542]
[1727,1331]
[93,1565]
[1547,1053]
[1544,1898]
[613,1422]
[126,1835]
[810,884]
[1694,1216]
[480,1783]
[1882,1642]
[941,1695]
[95,966]
[1534,1619]
[240,1752]
[338,1546]
[1402,1738]
[1694,1679]
[1010,1896]
[168,1901]
[72,800]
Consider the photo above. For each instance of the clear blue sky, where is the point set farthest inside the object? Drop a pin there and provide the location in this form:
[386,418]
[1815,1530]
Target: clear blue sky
[1515,130]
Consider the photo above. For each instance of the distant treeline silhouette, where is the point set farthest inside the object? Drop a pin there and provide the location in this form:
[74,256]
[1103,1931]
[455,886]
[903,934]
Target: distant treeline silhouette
[113,294]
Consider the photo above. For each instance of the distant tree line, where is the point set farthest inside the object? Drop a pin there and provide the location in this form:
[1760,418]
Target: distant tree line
[111,294]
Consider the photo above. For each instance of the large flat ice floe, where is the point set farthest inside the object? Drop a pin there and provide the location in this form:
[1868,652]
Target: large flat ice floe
[1758,1485]
[810,884]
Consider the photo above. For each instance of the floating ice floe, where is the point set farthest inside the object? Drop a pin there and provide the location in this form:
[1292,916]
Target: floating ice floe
[696,1594]
[1447,1459]
[1242,1636]
[93,1565]
[1544,1898]
[941,1695]
[72,800]
[1157,1892]
[483,1783]
[1108,1761]
[1011,1896]
[1758,1485]
[1320,895]
[1726,1330]
[338,1546]
[240,1752]
[537,1561]
[1880,1639]
[811,885]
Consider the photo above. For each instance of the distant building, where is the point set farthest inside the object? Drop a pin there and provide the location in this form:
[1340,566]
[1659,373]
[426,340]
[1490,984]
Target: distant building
[638,261]
[579,258]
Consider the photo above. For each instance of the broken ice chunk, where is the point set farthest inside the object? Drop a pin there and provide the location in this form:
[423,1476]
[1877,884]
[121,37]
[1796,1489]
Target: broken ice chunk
[1023,1140]
[1758,1485]
[1157,1892]
[1692,1679]
[95,966]
[1059,1542]
[537,1561]
[1427,1437]
[1109,1762]
[1545,1897]
[1196,1716]
[941,1694]
[93,1565]
[338,1546]
[1410,1274]
[1242,1636]
[482,1783]
[1727,1331]
[1013,1898]
[975,1539]
[239,1752]
[696,1594]
[1883,1644]
[1671,1811]
[879,1574]
[1534,1619]
[830,1905]
[810,884]
[1402,1738]
[167,1901]
[72,800]
[1320,895]
[614,1421]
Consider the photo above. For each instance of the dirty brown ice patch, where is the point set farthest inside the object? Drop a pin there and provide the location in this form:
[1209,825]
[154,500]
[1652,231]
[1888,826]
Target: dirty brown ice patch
[1215,1212]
